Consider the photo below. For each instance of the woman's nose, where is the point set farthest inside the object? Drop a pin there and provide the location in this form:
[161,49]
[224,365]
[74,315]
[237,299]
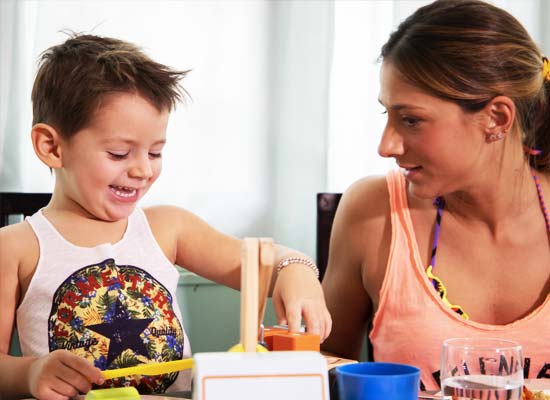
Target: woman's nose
[391,143]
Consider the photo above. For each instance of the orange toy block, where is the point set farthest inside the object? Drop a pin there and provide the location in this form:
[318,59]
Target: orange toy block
[269,331]
[296,341]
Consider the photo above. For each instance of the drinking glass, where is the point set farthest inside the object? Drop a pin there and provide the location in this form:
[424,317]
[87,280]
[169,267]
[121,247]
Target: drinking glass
[481,369]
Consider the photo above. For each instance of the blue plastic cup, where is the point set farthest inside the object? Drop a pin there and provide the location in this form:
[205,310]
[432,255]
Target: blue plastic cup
[377,381]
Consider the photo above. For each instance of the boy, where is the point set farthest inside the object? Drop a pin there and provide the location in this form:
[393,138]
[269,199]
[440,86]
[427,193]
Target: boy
[99,270]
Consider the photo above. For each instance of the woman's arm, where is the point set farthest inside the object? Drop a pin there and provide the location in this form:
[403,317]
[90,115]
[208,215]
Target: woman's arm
[356,241]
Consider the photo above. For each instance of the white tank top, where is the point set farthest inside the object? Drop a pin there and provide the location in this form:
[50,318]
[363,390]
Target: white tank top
[113,304]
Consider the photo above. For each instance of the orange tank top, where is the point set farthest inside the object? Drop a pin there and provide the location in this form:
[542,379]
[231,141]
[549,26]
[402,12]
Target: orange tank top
[412,321]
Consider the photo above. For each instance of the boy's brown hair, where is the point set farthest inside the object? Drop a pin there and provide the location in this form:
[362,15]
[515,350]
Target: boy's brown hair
[74,77]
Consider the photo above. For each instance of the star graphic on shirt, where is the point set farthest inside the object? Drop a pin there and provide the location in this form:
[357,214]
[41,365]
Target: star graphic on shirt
[123,332]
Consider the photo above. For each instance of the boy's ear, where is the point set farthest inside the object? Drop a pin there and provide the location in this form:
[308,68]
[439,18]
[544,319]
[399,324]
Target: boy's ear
[47,145]
[500,113]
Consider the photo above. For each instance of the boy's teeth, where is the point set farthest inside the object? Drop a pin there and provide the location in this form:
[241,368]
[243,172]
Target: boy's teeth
[124,191]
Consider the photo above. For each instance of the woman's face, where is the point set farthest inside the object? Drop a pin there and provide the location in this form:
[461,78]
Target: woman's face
[439,146]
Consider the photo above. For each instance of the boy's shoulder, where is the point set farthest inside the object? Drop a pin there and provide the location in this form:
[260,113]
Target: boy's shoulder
[18,244]
[167,218]
[166,213]
[15,232]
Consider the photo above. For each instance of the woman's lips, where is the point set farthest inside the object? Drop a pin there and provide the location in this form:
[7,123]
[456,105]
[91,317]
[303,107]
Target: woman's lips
[411,172]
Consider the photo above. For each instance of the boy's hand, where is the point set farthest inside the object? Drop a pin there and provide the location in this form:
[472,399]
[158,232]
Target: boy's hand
[61,375]
[298,293]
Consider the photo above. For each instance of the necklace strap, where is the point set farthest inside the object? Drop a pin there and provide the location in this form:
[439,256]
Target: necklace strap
[439,202]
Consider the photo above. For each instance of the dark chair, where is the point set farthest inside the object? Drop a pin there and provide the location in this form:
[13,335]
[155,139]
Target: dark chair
[326,209]
[22,204]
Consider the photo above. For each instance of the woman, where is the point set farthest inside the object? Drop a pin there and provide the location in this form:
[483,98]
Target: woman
[455,243]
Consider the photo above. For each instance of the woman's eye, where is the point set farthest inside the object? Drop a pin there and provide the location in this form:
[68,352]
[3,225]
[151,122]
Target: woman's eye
[155,155]
[410,121]
[118,156]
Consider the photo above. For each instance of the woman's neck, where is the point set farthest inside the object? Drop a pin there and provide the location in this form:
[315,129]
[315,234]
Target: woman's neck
[497,196]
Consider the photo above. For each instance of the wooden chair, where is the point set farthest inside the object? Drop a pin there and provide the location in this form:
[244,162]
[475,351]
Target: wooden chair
[20,204]
[23,204]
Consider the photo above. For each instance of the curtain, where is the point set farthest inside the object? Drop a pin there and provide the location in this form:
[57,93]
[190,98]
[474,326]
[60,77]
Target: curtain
[15,74]
[284,98]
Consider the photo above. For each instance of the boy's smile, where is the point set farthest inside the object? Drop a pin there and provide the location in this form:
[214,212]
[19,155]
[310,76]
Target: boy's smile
[112,162]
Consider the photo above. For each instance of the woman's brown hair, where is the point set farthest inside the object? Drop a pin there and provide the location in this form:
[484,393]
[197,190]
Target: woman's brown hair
[468,52]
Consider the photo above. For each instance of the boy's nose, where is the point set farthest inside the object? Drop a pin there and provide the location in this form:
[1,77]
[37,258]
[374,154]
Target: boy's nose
[141,169]
[391,143]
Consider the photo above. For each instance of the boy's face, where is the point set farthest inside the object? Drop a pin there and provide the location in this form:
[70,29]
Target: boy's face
[112,162]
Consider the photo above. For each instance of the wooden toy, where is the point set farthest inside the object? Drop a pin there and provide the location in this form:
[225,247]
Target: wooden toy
[252,375]
[268,333]
[278,338]
[293,341]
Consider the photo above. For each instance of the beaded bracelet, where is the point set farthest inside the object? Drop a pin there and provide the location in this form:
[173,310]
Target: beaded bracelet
[298,260]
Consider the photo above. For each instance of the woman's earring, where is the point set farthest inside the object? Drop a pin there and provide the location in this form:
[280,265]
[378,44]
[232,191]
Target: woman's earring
[493,137]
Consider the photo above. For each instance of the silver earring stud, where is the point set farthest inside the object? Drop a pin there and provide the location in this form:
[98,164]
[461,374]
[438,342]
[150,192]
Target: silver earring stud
[493,137]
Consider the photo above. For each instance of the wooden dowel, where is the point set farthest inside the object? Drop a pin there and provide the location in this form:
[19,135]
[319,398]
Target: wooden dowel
[267,259]
[249,294]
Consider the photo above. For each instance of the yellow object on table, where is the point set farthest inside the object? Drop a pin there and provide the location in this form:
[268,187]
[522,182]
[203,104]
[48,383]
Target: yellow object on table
[123,393]
[150,369]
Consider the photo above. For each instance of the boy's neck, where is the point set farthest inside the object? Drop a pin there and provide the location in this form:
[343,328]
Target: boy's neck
[83,230]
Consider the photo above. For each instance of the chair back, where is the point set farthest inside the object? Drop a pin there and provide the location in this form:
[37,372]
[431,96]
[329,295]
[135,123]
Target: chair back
[22,204]
[326,209]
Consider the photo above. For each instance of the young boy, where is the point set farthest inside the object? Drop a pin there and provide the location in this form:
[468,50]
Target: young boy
[91,277]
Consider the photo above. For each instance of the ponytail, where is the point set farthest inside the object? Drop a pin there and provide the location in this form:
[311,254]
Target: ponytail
[540,138]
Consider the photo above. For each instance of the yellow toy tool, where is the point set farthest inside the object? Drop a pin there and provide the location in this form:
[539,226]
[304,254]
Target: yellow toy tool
[130,393]
[150,369]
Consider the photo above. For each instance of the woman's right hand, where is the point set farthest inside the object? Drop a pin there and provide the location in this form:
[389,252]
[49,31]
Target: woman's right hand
[61,375]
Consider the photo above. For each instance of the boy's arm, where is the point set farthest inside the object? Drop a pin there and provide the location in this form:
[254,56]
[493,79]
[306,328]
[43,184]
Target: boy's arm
[10,256]
[55,376]
[190,242]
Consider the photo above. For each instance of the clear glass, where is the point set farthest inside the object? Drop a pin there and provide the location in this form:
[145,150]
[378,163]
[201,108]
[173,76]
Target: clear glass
[481,369]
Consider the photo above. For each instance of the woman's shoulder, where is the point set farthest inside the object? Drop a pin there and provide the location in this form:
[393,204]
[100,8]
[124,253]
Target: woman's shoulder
[366,198]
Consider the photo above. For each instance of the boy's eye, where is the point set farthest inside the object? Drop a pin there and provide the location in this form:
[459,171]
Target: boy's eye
[155,155]
[117,155]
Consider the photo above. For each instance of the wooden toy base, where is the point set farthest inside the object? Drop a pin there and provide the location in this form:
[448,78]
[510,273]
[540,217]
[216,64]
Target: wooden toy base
[289,375]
